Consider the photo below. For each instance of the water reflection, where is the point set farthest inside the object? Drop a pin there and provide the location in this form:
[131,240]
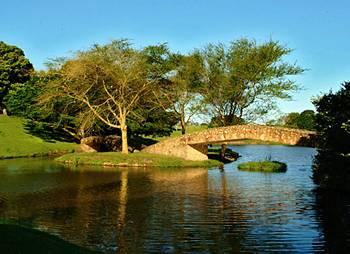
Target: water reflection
[172,211]
[333,209]
[331,172]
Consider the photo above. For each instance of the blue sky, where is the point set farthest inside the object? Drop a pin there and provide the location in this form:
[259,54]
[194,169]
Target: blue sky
[317,30]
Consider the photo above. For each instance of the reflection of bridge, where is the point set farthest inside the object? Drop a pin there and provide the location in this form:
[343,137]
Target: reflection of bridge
[195,146]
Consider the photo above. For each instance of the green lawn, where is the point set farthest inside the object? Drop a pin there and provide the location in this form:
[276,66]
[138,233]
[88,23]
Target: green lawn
[133,160]
[15,141]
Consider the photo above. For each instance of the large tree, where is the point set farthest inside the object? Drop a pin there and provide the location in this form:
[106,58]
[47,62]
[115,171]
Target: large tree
[180,78]
[60,117]
[331,166]
[110,81]
[183,93]
[332,120]
[14,68]
[245,79]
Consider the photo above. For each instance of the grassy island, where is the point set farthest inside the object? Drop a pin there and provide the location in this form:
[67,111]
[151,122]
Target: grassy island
[133,160]
[263,166]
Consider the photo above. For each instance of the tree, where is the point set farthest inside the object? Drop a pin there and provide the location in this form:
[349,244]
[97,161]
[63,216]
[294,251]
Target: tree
[244,79]
[332,119]
[56,119]
[14,68]
[180,78]
[154,122]
[306,120]
[291,120]
[184,91]
[108,80]
[331,165]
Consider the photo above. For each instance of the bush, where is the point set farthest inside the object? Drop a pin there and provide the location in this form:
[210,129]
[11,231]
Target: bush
[331,167]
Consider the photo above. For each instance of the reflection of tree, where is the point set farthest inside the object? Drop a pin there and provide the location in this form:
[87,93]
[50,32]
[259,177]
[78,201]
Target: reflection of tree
[334,213]
[333,205]
[332,170]
[123,198]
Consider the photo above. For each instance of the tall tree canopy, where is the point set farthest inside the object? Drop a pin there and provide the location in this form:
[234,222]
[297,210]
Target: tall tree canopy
[331,166]
[245,79]
[180,78]
[304,120]
[110,81]
[183,91]
[333,118]
[14,68]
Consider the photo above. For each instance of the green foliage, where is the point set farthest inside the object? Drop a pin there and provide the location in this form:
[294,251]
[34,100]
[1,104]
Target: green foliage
[20,101]
[244,79]
[107,82]
[263,166]
[218,121]
[290,120]
[305,120]
[14,68]
[152,122]
[331,166]
[50,121]
[179,78]
[332,120]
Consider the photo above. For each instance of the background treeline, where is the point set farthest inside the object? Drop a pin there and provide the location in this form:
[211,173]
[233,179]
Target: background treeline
[119,89]
[147,90]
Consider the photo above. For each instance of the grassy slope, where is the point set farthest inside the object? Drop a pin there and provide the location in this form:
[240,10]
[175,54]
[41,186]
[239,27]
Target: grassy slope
[134,160]
[15,141]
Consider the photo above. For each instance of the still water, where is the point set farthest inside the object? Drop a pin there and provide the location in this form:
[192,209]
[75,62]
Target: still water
[178,210]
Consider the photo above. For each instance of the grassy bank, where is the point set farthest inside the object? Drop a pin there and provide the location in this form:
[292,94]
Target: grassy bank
[263,166]
[133,160]
[15,141]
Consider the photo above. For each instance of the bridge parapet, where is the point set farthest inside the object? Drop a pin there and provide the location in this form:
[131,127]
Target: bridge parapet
[192,146]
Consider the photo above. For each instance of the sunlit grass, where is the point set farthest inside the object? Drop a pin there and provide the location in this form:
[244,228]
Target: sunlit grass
[15,141]
[133,160]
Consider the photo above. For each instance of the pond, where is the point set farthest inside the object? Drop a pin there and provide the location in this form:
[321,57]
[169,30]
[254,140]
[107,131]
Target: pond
[178,210]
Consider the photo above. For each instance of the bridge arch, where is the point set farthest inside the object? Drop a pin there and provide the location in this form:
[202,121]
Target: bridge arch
[195,146]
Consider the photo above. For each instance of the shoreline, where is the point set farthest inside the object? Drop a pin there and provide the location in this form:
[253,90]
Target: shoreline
[140,160]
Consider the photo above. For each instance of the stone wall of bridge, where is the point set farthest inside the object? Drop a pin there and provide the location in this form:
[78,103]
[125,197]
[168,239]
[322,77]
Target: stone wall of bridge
[194,146]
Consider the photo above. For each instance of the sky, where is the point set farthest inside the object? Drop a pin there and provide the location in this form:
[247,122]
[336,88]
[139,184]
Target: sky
[318,31]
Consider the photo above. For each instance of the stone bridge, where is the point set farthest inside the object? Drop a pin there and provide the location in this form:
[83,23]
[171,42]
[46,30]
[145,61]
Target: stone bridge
[195,146]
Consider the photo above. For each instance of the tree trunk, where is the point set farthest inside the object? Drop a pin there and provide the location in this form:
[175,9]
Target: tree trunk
[182,120]
[124,131]
[223,150]
[3,109]
[183,126]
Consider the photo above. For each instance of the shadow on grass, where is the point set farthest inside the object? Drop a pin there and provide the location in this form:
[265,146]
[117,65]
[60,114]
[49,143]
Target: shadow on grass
[46,132]
[16,239]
